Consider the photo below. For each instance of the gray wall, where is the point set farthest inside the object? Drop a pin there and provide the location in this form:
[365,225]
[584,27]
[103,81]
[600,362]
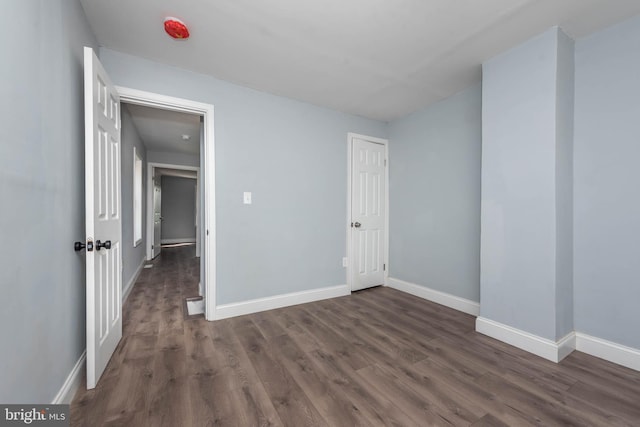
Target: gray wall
[132,256]
[607,178]
[42,309]
[291,155]
[178,208]
[518,245]
[435,196]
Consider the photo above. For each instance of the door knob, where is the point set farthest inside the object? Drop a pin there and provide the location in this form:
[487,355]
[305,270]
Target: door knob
[78,246]
[357,225]
[106,244]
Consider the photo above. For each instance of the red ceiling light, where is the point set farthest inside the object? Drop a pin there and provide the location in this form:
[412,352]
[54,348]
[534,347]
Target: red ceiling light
[176,28]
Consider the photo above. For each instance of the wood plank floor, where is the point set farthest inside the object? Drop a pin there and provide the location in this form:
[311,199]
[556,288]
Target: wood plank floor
[376,358]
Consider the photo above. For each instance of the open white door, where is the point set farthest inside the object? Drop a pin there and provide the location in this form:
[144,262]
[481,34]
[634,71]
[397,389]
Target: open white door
[103,217]
[157,216]
[368,194]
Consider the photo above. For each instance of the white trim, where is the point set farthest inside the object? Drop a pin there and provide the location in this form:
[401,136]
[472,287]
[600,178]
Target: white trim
[180,240]
[155,100]
[72,383]
[607,350]
[137,216]
[566,345]
[278,301]
[127,289]
[452,301]
[349,248]
[554,351]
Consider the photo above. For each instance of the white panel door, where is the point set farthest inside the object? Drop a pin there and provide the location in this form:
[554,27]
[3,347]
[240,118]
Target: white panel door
[103,217]
[367,213]
[157,216]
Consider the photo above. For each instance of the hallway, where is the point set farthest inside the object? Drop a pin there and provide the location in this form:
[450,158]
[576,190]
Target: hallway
[379,357]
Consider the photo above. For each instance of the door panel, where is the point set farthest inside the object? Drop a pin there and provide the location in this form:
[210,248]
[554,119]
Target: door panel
[102,216]
[368,213]
[157,217]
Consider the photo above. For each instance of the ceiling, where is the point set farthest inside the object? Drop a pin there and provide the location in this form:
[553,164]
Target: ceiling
[162,130]
[380,59]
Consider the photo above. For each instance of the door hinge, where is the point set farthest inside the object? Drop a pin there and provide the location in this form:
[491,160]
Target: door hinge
[385,162]
[384,267]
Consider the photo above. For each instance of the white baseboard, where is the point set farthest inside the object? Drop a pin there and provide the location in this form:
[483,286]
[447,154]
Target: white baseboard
[181,240]
[566,345]
[71,384]
[554,351]
[127,289]
[607,350]
[452,301]
[261,304]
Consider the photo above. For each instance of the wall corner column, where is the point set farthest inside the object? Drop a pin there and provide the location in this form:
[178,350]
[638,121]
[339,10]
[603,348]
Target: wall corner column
[526,274]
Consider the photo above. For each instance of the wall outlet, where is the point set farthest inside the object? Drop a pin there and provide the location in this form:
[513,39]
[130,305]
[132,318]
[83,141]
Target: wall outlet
[344,262]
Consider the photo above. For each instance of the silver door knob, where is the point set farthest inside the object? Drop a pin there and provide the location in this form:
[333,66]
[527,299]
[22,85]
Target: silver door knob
[357,225]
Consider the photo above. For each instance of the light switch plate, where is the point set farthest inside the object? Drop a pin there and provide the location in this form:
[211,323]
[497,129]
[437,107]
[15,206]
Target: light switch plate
[247,197]
[344,262]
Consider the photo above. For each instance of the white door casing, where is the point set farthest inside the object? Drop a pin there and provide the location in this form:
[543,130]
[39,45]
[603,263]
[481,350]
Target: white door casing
[368,208]
[197,220]
[103,217]
[157,216]
[208,246]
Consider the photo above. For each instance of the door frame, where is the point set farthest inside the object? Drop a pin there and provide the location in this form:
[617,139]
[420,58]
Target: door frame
[155,100]
[149,196]
[349,229]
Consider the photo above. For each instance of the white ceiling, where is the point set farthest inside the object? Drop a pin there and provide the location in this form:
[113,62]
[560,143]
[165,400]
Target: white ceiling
[376,58]
[162,130]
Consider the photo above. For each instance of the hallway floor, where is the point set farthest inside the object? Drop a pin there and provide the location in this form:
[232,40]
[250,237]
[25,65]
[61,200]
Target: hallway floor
[375,358]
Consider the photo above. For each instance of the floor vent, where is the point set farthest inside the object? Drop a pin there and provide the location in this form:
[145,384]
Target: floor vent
[194,306]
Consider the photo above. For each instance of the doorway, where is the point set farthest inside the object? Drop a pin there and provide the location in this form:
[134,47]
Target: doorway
[103,207]
[205,181]
[174,211]
[367,211]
